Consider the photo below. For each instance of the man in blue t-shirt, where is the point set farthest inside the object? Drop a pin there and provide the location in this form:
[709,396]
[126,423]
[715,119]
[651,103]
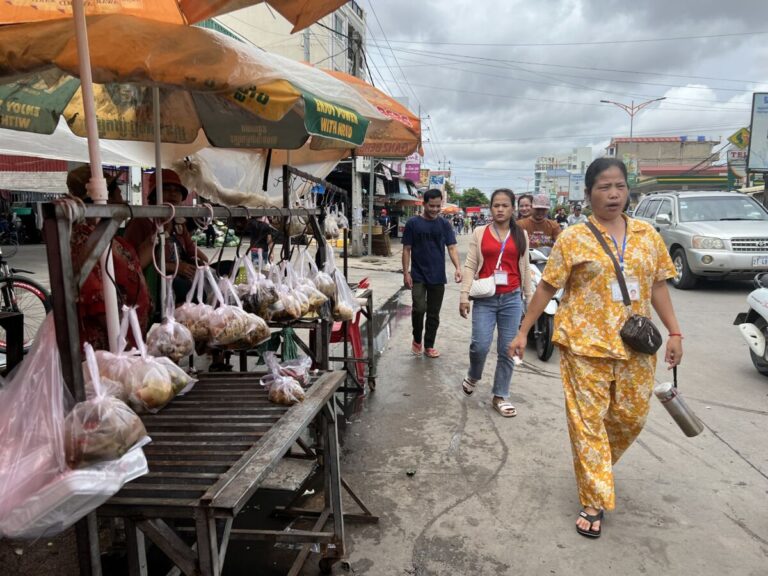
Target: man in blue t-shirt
[424,241]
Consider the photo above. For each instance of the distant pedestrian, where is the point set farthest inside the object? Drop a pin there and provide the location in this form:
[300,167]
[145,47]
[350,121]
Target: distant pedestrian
[607,385]
[467,224]
[524,206]
[542,232]
[561,218]
[499,250]
[458,223]
[210,235]
[424,242]
[577,217]
[262,240]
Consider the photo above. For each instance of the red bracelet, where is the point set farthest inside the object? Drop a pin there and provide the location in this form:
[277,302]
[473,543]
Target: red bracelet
[675,334]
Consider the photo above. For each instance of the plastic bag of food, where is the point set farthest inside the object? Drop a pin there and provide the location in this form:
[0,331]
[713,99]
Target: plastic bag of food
[170,338]
[39,495]
[283,390]
[100,428]
[345,305]
[341,220]
[324,279]
[113,388]
[260,292]
[331,227]
[194,315]
[181,382]
[287,306]
[297,368]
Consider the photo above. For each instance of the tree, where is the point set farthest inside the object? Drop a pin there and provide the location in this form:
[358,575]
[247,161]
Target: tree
[474,197]
[450,192]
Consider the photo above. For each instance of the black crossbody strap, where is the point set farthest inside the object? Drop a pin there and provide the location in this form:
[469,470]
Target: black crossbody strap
[616,267]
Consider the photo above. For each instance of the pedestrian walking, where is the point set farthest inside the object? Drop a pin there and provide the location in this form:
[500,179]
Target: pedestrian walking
[467,224]
[498,250]
[577,217]
[524,206]
[424,242]
[458,224]
[542,232]
[607,384]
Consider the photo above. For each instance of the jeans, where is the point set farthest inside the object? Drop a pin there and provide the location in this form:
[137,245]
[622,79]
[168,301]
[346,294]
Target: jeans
[427,298]
[502,311]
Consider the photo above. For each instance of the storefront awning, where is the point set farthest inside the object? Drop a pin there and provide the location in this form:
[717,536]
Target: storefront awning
[400,197]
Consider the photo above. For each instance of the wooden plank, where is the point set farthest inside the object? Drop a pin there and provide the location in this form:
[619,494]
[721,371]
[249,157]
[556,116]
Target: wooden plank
[234,489]
[171,545]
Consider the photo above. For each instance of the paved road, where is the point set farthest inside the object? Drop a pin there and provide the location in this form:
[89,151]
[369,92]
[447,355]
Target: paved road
[494,496]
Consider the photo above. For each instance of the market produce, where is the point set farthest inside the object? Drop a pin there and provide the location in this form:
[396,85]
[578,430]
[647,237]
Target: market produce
[228,325]
[102,428]
[115,367]
[296,368]
[113,388]
[151,386]
[195,318]
[181,382]
[171,339]
[286,391]
[325,284]
[345,305]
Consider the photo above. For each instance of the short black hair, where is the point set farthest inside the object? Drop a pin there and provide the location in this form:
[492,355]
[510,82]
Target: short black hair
[431,194]
[524,196]
[599,166]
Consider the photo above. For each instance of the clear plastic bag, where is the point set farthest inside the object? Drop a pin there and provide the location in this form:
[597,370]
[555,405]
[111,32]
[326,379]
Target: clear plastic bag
[194,315]
[100,428]
[39,495]
[287,306]
[297,368]
[231,326]
[32,422]
[324,279]
[283,390]
[259,293]
[170,339]
[345,305]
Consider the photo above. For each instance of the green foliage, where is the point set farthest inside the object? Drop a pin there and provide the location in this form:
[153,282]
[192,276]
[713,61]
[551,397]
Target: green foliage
[473,197]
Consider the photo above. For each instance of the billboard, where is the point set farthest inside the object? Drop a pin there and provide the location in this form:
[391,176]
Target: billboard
[413,167]
[757,158]
[576,188]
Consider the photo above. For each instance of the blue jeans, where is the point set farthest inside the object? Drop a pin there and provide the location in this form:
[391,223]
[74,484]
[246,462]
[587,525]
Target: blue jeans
[502,311]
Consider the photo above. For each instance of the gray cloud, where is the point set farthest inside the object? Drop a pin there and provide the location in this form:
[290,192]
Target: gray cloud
[542,110]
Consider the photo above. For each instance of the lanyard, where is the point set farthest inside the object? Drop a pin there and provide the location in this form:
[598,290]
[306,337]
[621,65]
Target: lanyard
[503,245]
[623,248]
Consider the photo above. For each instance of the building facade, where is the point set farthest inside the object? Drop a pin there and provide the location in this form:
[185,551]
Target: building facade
[575,162]
[335,42]
[664,151]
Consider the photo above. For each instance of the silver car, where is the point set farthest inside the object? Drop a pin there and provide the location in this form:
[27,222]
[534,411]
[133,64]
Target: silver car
[709,234]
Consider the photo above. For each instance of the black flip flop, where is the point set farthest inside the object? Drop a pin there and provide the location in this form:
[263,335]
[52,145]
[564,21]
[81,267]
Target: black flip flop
[591,519]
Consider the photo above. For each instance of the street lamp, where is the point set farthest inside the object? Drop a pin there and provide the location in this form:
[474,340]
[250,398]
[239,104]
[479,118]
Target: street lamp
[631,109]
[527,182]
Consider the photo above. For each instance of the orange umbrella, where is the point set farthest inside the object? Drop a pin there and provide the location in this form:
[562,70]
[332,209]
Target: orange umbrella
[451,209]
[396,139]
[301,13]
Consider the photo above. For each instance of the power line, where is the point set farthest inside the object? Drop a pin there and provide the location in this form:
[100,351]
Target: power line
[591,43]
[569,66]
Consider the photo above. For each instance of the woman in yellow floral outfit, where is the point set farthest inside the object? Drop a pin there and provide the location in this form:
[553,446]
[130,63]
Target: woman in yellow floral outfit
[607,385]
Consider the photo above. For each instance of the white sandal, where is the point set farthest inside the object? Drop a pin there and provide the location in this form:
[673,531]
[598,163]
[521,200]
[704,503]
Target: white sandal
[468,386]
[506,409]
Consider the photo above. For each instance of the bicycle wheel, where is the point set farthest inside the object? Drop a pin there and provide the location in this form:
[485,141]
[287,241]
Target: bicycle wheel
[9,244]
[19,294]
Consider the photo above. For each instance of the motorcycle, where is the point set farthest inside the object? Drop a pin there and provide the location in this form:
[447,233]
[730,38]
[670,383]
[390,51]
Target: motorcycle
[753,325]
[544,328]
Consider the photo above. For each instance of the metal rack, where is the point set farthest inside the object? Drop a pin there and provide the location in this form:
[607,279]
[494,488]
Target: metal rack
[235,454]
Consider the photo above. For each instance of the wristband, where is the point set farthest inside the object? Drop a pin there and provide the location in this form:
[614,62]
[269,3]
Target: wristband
[675,334]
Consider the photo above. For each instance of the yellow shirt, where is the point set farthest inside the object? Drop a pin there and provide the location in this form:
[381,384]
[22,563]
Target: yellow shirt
[588,320]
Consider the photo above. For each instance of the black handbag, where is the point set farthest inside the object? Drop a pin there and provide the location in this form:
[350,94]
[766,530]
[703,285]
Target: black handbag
[638,332]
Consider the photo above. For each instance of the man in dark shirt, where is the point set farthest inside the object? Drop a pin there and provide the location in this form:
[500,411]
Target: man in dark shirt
[424,242]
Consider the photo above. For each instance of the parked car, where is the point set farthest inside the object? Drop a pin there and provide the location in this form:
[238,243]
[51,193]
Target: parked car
[709,234]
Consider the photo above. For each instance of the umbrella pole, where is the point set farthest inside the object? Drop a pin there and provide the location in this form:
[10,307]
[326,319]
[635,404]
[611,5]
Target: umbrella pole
[371,188]
[97,186]
[159,193]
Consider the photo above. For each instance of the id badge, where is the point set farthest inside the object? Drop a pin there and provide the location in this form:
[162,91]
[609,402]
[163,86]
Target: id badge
[633,287]
[500,277]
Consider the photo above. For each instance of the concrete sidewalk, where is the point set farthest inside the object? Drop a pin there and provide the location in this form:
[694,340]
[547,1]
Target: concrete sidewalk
[462,491]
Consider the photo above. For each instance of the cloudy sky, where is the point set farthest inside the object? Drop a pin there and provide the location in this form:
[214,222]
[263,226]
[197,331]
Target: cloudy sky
[505,82]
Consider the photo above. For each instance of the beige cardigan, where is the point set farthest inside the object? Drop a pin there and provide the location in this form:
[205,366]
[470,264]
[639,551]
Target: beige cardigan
[474,263]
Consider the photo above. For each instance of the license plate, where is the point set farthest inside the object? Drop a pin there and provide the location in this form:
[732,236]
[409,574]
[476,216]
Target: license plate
[759,261]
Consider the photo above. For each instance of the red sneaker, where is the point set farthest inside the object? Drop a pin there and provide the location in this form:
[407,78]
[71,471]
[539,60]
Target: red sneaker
[416,349]
[431,353]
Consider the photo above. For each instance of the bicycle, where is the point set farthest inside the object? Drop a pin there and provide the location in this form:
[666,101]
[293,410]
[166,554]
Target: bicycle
[21,294]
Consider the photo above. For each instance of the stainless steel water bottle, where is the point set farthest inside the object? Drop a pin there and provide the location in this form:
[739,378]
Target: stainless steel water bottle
[672,400]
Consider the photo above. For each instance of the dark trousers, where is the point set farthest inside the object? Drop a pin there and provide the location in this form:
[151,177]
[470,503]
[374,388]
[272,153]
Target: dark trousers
[427,299]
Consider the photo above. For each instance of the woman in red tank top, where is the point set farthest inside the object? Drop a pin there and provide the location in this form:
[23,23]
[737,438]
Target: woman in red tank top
[497,250]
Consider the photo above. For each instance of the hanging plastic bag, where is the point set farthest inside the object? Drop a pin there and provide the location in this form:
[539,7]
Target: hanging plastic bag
[245,330]
[101,428]
[194,315]
[170,338]
[283,390]
[341,219]
[301,277]
[324,279]
[260,292]
[287,306]
[39,495]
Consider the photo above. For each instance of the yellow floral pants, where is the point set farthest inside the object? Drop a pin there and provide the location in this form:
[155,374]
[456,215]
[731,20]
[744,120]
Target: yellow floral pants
[606,404]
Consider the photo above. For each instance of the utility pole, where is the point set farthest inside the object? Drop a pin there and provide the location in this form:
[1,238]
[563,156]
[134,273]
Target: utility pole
[632,110]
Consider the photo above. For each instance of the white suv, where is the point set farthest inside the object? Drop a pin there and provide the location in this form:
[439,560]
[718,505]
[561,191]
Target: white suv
[709,234]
